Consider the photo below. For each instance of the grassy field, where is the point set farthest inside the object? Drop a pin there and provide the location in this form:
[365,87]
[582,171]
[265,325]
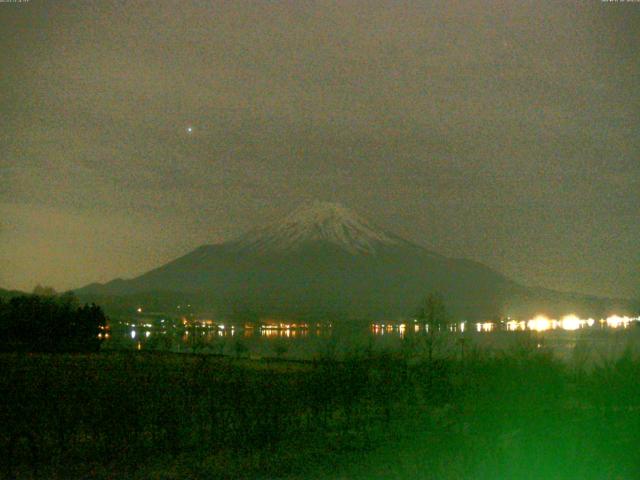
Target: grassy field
[517,415]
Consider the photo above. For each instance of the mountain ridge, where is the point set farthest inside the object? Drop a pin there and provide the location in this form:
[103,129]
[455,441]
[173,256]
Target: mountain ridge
[324,259]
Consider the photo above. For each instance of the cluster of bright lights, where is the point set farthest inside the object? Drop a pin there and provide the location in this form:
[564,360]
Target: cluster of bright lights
[402,328]
[380,329]
[269,325]
[514,326]
[541,323]
[484,327]
[615,321]
[571,322]
[134,334]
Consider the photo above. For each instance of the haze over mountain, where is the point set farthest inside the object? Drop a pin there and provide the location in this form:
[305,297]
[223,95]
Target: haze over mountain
[325,261]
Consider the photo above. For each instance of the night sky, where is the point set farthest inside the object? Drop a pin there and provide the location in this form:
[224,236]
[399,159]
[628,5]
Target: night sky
[502,131]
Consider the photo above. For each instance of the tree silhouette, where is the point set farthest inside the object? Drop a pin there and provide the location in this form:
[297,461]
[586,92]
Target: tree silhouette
[50,324]
[45,291]
[433,314]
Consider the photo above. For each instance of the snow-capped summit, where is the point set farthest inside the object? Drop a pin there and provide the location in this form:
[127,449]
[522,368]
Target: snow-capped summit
[319,222]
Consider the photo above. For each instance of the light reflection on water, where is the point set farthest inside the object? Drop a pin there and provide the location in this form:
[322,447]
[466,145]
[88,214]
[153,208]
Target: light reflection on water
[539,323]
[312,340]
[211,332]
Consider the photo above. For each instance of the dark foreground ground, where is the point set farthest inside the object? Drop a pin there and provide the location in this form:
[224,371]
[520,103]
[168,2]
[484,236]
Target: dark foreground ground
[519,415]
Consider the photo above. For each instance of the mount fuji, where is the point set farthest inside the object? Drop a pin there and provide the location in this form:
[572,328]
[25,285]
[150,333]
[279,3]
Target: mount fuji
[319,222]
[323,260]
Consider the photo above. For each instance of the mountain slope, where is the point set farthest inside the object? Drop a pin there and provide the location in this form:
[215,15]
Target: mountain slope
[325,260]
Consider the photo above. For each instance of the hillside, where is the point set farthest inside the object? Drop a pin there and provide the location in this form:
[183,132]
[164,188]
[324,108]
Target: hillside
[324,260]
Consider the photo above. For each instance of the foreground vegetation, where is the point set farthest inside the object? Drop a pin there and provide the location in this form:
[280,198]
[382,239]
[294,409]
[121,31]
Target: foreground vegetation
[157,415]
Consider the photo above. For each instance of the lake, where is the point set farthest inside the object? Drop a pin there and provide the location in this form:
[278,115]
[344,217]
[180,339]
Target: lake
[570,338]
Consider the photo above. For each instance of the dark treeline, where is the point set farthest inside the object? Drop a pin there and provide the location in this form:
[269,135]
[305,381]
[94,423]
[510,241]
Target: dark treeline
[153,415]
[49,323]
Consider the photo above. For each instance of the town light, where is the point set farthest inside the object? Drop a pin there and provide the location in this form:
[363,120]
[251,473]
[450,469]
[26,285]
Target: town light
[539,323]
[571,322]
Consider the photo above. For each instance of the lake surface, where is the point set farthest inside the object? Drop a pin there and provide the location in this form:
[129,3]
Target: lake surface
[572,339]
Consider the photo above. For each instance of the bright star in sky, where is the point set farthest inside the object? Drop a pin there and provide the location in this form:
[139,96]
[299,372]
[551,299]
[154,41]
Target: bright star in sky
[189,129]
